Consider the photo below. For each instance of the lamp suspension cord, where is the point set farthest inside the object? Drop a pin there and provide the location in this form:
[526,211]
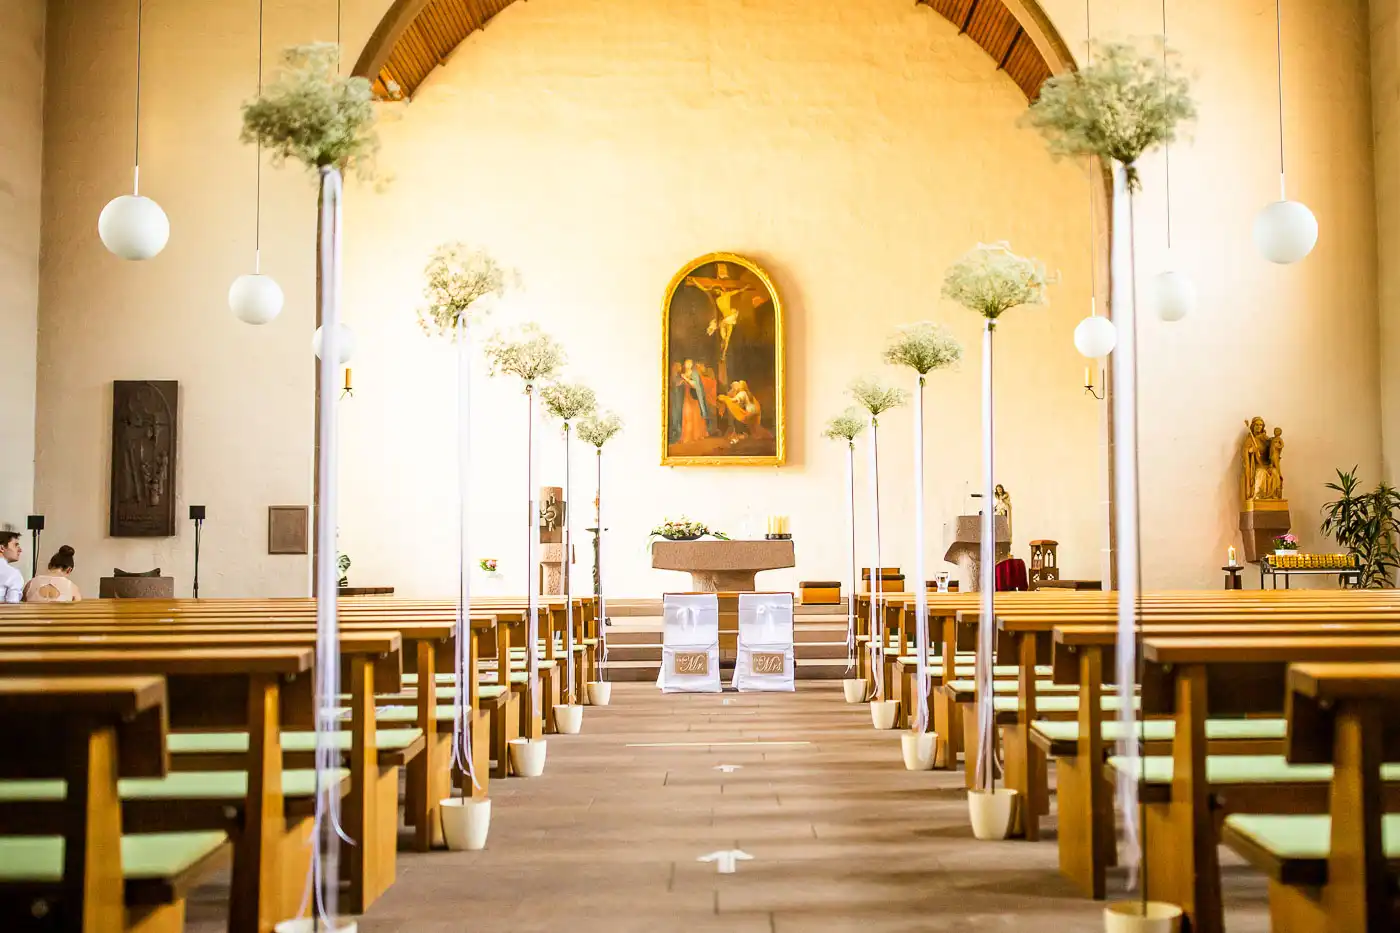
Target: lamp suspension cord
[1168,147]
[136,157]
[1278,46]
[257,210]
[1093,221]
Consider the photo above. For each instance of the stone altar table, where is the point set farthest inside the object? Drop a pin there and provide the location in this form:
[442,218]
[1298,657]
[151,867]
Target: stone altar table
[965,549]
[723,566]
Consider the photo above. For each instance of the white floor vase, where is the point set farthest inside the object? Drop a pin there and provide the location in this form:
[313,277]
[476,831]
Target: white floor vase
[465,823]
[855,688]
[568,718]
[991,812]
[527,757]
[599,693]
[918,749]
[882,713]
[1131,917]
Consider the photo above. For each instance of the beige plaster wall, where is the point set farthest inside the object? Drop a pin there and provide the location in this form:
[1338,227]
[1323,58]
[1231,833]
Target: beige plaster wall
[1385,115]
[598,145]
[21,147]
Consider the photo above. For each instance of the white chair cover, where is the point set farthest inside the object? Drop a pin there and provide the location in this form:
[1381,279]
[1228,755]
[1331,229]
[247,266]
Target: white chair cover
[690,628]
[765,632]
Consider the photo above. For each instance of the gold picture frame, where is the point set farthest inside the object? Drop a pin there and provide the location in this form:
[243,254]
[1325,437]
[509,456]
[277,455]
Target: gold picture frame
[722,365]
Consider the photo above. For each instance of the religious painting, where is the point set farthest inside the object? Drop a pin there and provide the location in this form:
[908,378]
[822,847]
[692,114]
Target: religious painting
[143,459]
[722,375]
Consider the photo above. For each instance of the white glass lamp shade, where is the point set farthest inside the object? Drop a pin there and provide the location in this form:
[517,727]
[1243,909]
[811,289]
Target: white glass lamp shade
[255,298]
[133,227]
[1173,295]
[1285,231]
[1095,337]
[345,343]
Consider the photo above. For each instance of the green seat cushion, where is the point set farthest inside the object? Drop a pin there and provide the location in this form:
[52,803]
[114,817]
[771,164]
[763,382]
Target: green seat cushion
[1042,687]
[490,691]
[969,668]
[410,680]
[1294,849]
[1162,730]
[39,859]
[1005,703]
[1240,769]
[394,715]
[207,743]
[590,642]
[186,786]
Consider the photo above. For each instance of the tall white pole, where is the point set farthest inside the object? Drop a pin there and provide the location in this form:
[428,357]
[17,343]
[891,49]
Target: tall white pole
[851,522]
[602,584]
[462,702]
[920,584]
[569,570]
[532,567]
[986,626]
[877,616]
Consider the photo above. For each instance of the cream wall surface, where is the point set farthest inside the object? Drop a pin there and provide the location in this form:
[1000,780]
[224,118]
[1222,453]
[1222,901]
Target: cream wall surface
[598,145]
[21,148]
[1385,113]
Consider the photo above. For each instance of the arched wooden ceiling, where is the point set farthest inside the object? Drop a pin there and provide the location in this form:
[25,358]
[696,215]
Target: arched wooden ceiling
[415,37]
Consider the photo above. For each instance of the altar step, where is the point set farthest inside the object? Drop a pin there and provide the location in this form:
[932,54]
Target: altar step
[634,646]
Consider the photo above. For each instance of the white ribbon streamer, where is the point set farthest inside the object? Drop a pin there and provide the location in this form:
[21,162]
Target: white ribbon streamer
[877,614]
[851,523]
[986,626]
[461,700]
[602,589]
[532,565]
[920,586]
[569,570]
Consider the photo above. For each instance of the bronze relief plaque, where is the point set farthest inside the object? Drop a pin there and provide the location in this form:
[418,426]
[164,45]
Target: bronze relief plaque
[144,419]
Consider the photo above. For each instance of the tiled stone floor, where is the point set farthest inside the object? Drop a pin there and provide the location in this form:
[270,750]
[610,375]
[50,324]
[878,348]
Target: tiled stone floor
[842,837]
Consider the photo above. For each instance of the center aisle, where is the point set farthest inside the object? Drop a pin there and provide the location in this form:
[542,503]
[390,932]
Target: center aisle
[842,837]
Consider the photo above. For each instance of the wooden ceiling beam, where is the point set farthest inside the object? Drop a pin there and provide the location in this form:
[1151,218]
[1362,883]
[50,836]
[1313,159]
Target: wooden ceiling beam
[1006,56]
[967,19]
[385,36]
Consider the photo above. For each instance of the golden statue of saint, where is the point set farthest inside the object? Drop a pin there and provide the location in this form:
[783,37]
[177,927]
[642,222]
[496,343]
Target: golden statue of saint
[1261,462]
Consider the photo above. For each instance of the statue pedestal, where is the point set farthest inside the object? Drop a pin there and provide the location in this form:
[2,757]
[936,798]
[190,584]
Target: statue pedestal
[965,549]
[1261,521]
[552,569]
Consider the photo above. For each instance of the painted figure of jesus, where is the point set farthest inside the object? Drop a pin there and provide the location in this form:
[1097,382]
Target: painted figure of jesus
[722,291]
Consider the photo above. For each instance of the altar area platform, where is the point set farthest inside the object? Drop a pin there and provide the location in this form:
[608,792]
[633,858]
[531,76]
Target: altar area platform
[634,641]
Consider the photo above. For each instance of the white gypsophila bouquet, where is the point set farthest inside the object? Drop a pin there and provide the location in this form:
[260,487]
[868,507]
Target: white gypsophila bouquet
[1117,107]
[990,279]
[527,352]
[457,279]
[569,401]
[312,113]
[875,398]
[845,426]
[923,347]
[598,429]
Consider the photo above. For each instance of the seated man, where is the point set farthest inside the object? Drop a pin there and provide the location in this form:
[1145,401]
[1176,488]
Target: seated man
[11,583]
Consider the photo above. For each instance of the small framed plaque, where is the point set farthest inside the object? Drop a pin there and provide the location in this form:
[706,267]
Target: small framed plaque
[692,663]
[768,662]
[287,529]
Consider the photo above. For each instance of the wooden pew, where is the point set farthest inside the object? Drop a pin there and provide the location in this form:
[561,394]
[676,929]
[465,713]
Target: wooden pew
[69,864]
[253,689]
[1334,874]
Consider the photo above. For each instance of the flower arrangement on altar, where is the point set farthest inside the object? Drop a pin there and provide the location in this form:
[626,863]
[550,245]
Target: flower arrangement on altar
[457,280]
[923,347]
[685,530]
[598,429]
[1286,542]
[487,564]
[990,279]
[313,114]
[528,352]
[569,401]
[1118,106]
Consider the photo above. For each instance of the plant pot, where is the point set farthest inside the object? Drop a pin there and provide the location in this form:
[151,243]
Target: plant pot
[1130,917]
[882,713]
[312,925]
[527,757]
[568,718]
[465,823]
[599,693]
[991,812]
[856,689]
[918,749]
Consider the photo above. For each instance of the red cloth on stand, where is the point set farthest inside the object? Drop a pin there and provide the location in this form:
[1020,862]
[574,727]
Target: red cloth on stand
[1011,576]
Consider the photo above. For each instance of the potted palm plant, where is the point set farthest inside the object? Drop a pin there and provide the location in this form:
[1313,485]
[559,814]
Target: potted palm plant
[877,399]
[922,347]
[990,280]
[847,427]
[569,403]
[533,357]
[460,285]
[1367,524]
[1115,109]
[598,429]
[312,114]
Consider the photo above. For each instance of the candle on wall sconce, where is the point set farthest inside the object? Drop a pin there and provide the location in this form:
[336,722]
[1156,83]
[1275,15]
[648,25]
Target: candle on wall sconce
[1089,383]
[349,389]
[1232,556]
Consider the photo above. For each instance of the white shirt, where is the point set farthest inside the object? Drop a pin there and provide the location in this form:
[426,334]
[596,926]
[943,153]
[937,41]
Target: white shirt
[11,583]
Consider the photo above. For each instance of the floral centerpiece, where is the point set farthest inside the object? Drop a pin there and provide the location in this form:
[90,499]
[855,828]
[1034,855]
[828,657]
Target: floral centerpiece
[847,427]
[597,429]
[685,530]
[487,564]
[459,282]
[1286,544]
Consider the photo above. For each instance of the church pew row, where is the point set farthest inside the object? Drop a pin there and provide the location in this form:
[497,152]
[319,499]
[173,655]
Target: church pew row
[1336,872]
[265,811]
[69,864]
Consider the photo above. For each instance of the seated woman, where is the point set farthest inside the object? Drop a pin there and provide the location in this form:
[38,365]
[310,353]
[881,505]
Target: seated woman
[54,586]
